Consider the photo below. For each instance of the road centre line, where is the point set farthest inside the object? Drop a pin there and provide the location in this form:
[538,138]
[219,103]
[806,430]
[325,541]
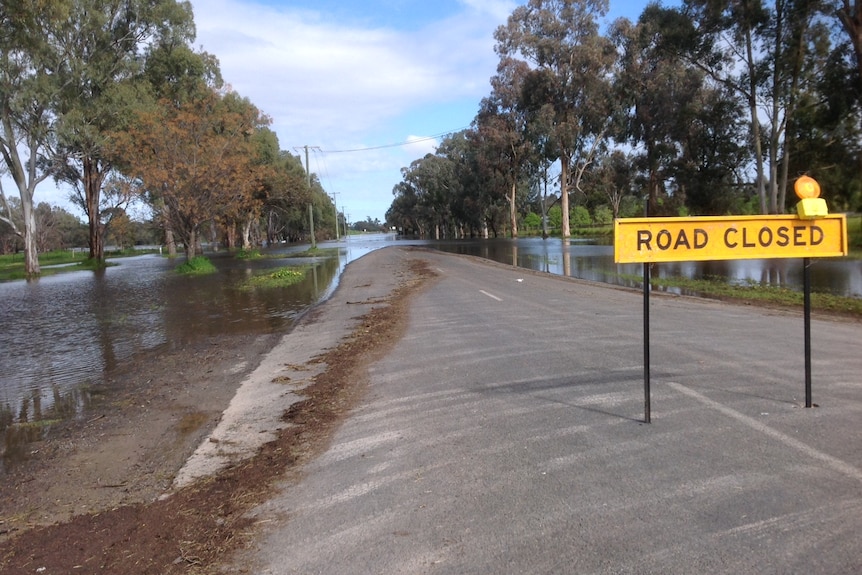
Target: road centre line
[833,462]
[492,296]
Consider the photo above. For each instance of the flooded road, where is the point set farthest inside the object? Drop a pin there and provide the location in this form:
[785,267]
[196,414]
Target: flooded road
[63,335]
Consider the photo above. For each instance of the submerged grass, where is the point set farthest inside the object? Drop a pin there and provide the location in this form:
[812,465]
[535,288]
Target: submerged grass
[197,266]
[282,277]
[248,255]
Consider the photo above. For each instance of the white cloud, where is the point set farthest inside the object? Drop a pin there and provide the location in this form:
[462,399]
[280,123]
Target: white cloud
[420,146]
[342,85]
[314,75]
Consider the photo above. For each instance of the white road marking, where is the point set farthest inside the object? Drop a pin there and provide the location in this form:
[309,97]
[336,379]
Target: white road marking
[833,462]
[492,296]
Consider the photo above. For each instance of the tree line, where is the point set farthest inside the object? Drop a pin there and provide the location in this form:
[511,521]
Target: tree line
[711,108]
[108,98]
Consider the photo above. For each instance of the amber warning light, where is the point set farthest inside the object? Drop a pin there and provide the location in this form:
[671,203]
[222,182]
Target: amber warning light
[810,205]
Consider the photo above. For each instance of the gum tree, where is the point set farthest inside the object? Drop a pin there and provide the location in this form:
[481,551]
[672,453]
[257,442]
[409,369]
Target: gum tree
[29,93]
[103,43]
[197,156]
[568,84]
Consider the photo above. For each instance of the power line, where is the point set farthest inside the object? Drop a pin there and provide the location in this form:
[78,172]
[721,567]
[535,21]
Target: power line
[407,143]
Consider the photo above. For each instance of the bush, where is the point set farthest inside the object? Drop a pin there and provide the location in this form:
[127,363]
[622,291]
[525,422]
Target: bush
[603,216]
[581,217]
[533,220]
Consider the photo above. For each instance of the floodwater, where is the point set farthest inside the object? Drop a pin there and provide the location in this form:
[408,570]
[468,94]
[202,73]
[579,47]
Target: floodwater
[588,260]
[63,335]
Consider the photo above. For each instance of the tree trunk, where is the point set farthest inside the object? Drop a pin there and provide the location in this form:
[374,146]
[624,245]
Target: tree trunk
[92,179]
[26,188]
[31,251]
[191,245]
[564,194]
[246,234]
[851,19]
[513,215]
[545,204]
[171,243]
[755,123]
[230,236]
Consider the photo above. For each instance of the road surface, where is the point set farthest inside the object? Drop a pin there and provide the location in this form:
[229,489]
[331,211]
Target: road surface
[504,434]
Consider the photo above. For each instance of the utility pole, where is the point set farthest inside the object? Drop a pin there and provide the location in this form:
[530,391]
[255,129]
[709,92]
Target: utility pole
[311,200]
[335,205]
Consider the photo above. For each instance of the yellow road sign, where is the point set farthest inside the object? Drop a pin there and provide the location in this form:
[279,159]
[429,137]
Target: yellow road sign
[728,238]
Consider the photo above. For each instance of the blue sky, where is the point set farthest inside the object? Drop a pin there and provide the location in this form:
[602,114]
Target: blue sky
[347,75]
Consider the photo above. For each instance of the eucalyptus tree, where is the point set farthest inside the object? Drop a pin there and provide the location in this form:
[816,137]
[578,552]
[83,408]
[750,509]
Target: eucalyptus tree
[248,192]
[174,74]
[826,134]
[612,179]
[684,129]
[403,212]
[103,44]
[850,16]
[655,90]
[29,93]
[435,180]
[428,194]
[569,79]
[709,173]
[198,155]
[766,54]
[501,131]
[286,195]
[470,186]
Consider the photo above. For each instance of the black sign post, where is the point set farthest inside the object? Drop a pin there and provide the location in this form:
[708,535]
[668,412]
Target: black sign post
[806,281]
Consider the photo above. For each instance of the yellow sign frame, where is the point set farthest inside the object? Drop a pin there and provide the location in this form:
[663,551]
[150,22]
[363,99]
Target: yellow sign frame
[646,240]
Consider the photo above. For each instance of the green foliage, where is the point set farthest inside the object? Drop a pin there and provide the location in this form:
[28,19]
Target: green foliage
[282,277]
[581,217]
[533,220]
[854,232]
[197,266]
[603,216]
[631,207]
[555,217]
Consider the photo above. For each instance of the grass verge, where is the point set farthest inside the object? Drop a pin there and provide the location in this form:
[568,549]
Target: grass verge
[755,292]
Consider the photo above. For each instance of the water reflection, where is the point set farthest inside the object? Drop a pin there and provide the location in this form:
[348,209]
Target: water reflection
[595,262]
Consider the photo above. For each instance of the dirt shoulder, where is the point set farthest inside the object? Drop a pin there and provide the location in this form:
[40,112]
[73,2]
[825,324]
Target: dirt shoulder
[88,498]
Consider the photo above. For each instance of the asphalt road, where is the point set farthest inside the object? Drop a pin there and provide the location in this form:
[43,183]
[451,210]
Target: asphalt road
[504,434]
